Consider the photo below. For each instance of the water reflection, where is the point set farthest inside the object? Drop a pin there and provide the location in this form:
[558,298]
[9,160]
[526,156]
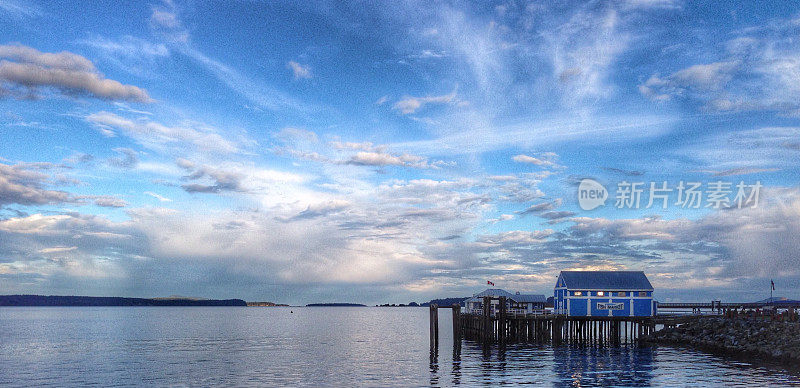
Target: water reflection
[319,346]
[456,370]
[434,366]
[593,366]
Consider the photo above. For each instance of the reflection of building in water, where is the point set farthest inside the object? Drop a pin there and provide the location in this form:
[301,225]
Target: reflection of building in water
[604,294]
[603,367]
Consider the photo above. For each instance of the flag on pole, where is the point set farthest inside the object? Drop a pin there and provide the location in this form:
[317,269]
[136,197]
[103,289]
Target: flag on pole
[489,283]
[773,284]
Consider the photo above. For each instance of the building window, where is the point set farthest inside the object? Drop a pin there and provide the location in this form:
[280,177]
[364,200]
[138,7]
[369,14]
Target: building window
[577,293]
[600,293]
[642,293]
[621,293]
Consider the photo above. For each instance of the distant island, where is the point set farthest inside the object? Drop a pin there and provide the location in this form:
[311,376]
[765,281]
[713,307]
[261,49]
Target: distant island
[412,304]
[335,305]
[446,302]
[110,301]
[266,304]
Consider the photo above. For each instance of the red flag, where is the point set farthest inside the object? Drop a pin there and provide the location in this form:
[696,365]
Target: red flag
[490,283]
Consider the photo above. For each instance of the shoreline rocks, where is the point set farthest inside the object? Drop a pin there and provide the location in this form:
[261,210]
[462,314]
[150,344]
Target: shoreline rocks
[766,339]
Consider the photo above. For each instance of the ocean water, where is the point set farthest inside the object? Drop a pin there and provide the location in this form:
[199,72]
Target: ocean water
[313,346]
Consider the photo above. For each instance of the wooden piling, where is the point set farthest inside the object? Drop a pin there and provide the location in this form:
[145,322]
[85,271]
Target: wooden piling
[501,323]
[434,327]
[456,322]
[487,334]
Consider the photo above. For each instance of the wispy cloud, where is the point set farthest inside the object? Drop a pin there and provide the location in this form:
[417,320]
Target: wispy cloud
[545,160]
[298,70]
[156,135]
[165,21]
[20,9]
[409,105]
[758,71]
[128,158]
[159,197]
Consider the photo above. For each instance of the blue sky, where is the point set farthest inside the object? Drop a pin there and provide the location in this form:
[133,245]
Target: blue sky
[392,152]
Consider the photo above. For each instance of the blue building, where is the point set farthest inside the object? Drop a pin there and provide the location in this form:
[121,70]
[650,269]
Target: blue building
[604,294]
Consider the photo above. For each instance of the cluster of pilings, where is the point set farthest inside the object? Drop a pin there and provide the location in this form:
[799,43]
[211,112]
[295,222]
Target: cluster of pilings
[601,331]
[502,327]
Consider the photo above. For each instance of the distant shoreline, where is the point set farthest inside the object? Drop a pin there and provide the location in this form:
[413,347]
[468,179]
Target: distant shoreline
[111,301]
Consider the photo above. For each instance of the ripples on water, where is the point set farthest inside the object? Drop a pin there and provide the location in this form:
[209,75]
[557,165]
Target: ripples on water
[190,346]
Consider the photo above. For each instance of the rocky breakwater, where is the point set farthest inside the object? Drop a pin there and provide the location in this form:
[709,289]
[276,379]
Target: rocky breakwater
[758,338]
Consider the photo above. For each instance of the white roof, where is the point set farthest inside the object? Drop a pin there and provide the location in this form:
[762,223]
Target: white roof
[519,298]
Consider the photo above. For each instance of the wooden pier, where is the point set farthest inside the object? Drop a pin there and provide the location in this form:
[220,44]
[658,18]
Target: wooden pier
[504,327]
[555,328]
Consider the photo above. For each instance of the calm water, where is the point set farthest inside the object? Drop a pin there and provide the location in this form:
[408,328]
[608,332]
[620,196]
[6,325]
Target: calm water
[190,346]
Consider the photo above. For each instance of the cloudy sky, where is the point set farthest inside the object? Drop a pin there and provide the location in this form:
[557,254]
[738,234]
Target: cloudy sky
[391,152]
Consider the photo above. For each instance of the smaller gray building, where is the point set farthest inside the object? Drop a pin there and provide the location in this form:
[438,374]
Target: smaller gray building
[516,303]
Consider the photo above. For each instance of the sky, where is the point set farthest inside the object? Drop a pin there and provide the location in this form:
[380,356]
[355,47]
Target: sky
[388,152]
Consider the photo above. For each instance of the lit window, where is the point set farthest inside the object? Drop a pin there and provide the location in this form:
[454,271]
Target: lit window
[600,293]
[577,293]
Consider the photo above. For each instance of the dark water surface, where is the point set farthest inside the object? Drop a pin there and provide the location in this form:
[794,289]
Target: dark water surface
[235,346]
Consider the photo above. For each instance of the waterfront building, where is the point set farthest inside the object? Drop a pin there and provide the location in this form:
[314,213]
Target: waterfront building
[604,294]
[516,303]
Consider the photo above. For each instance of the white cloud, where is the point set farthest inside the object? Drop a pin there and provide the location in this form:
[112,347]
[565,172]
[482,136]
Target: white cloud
[408,104]
[583,50]
[747,151]
[545,160]
[20,9]
[107,201]
[649,4]
[134,55]
[63,60]
[517,237]
[19,185]
[759,71]
[57,249]
[272,187]
[26,69]
[128,158]
[292,135]
[362,146]
[710,76]
[541,132]
[156,135]
[298,70]
[157,196]
[165,21]
[303,145]
[127,46]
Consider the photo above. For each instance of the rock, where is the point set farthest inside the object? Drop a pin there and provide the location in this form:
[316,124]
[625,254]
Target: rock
[776,340]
